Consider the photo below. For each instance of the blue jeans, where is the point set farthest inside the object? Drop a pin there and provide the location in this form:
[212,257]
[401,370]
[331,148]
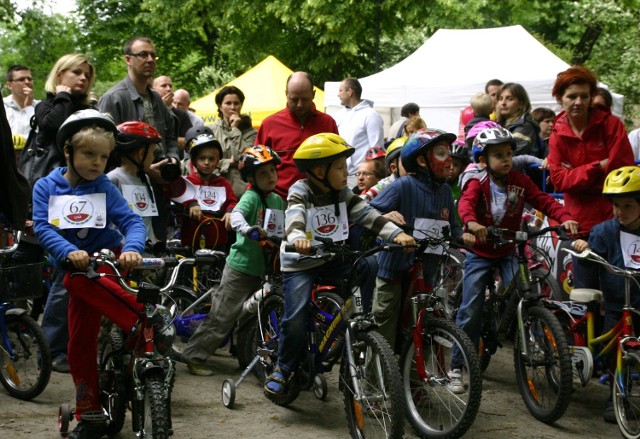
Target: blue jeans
[297,293]
[55,318]
[478,273]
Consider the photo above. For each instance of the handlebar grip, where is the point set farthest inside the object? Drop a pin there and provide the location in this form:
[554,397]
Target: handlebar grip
[253,234]
[157,263]
[290,248]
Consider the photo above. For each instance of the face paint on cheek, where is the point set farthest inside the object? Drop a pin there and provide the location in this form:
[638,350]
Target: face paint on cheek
[440,164]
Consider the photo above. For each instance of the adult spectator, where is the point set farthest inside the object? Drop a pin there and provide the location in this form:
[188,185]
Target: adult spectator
[513,110]
[603,98]
[586,143]
[358,123]
[285,130]
[164,87]
[397,129]
[544,117]
[369,173]
[413,124]
[491,88]
[133,99]
[19,105]
[182,101]
[234,132]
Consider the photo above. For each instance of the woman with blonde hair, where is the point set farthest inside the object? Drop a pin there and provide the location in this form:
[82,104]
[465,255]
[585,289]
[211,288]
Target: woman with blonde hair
[414,124]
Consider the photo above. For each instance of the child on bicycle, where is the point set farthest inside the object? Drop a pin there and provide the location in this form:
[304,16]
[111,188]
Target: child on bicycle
[209,213]
[394,169]
[615,240]
[259,209]
[135,145]
[424,200]
[495,198]
[75,210]
[320,205]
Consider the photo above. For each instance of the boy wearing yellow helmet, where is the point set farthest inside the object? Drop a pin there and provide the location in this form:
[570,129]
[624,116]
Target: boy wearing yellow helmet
[320,205]
[616,240]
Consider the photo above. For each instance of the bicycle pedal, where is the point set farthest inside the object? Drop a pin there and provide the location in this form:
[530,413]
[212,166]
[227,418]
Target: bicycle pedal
[94,417]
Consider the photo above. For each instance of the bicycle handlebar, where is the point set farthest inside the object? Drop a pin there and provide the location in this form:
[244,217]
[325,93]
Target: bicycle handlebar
[590,255]
[327,249]
[520,236]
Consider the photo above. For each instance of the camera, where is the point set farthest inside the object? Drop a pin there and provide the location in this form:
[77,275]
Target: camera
[170,170]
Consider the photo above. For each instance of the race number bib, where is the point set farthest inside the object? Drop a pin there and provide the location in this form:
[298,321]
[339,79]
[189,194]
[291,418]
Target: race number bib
[323,222]
[211,198]
[630,246]
[139,200]
[274,223]
[78,211]
[430,228]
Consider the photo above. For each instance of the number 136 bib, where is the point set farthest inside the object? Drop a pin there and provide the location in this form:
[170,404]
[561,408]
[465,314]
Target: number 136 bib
[322,222]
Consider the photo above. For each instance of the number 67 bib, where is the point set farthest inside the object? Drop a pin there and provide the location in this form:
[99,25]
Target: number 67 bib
[78,211]
[322,222]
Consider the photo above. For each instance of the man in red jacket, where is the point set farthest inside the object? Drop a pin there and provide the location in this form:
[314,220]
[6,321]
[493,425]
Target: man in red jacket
[285,130]
[496,197]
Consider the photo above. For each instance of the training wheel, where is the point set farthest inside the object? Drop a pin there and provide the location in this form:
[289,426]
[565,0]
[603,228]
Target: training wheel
[64,416]
[228,393]
[320,388]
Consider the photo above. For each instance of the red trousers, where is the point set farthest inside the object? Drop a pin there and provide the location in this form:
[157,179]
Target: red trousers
[88,302]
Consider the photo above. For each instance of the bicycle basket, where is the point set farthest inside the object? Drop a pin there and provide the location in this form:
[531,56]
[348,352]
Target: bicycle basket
[21,282]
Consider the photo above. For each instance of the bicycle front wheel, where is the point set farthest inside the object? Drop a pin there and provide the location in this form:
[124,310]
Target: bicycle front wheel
[26,373]
[113,391]
[435,408]
[371,383]
[154,416]
[626,395]
[544,376]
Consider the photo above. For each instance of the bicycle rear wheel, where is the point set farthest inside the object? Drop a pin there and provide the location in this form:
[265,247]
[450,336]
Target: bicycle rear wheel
[371,385]
[433,409]
[264,336]
[545,375]
[626,395]
[25,374]
[113,392]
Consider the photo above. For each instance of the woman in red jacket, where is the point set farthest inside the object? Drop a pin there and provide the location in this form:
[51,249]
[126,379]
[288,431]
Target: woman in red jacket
[586,143]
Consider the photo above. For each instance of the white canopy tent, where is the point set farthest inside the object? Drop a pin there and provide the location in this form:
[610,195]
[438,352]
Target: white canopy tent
[453,65]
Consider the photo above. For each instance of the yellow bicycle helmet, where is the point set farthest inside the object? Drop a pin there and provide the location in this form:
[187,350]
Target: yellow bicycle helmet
[394,149]
[624,181]
[321,149]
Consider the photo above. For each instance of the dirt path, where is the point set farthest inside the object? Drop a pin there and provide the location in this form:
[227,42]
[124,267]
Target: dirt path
[198,412]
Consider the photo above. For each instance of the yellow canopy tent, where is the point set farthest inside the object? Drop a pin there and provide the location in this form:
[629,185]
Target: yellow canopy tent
[264,90]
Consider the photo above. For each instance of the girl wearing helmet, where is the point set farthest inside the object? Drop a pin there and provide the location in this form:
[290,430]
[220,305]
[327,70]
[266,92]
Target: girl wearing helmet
[76,212]
[135,145]
[423,201]
[210,209]
[321,205]
[495,198]
[259,213]
[614,240]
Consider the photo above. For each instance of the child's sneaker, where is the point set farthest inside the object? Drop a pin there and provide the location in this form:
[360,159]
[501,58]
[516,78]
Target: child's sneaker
[92,425]
[455,382]
[199,369]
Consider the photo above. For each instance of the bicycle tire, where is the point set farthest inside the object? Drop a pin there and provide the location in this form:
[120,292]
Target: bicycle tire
[545,379]
[181,298]
[432,409]
[113,391]
[626,403]
[154,414]
[380,411]
[271,312]
[548,284]
[27,374]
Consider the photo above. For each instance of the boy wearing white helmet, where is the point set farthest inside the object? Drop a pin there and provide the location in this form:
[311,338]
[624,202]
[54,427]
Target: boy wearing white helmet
[495,198]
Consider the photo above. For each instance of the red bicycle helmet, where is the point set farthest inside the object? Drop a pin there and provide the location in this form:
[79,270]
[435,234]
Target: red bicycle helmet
[375,152]
[133,134]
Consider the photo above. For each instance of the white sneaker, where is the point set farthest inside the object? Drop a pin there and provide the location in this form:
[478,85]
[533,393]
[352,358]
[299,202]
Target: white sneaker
[455,382]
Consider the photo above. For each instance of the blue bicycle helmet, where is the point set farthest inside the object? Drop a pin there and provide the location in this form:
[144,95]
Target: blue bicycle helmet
[419,143]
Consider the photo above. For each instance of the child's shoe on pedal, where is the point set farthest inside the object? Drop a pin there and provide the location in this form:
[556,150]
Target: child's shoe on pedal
[199,369]
[92,425]
[609,414]
[276,382]
[456,385]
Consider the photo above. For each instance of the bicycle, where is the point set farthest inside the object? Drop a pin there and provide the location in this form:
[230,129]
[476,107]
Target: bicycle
[369,376]
[434,410]
[24,352]
[541,353]
[138,373]
[621,339]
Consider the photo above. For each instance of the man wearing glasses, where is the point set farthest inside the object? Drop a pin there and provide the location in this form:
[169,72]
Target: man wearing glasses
[133,99]
[20,104]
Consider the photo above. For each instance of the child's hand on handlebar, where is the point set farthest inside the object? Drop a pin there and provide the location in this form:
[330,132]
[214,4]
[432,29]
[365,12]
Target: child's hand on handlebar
[195,212]
[405,240]
[79,259]
[395,217]
[468,239]
[571,226]
[303,246]
[129,260]
[580,245]
[478,230]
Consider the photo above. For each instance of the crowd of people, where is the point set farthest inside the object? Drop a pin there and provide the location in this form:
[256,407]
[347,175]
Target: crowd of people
[137,149]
